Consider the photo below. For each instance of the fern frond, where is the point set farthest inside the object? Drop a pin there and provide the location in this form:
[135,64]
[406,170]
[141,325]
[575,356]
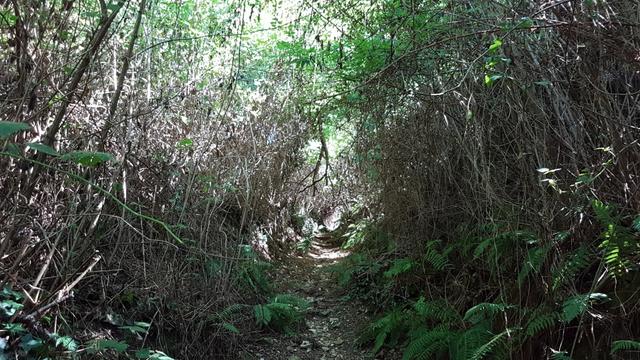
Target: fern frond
[399,267]
[489,347]
[262,315]
[603,212]
[635,225]
[484,311]
[465,344]
[617,245]
[577,305]
[578,260]
[385,330]
[625,345]
[436,310]
[541,322]
[559,355]
[434,257]
[573,307]
[535,259]
[504,242]
[480,249]
[428,344]
[228,311]
[292,300]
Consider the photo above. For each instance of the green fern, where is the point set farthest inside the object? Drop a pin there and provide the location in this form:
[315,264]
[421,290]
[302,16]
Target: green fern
[541,322]
[399,267]
[437,310]
[282,313]
[490,346]
[228,311]
[625,345]
[576,305]
[577,261]
[618,244]
[635,225]
[573,307]
[535,259]
[559,355]
[386,330]
[483,311]
[434,257]
[262,314]
[504,242]
[428,344]
[603,212]
[464,346]
[482,247]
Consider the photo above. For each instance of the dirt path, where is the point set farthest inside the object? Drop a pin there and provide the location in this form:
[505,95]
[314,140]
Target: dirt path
[332,321]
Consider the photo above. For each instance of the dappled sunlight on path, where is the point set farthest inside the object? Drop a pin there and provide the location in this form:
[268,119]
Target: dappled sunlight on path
[333,321]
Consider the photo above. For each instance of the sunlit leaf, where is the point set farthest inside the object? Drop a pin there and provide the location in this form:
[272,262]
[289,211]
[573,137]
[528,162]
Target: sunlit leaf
[185,144]
[67,342]
[497,43]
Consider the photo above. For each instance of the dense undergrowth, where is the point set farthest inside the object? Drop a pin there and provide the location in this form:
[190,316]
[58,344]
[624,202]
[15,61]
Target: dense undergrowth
[493,291]
[156,155]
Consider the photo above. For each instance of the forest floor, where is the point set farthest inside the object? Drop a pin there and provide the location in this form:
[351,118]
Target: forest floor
[332,322]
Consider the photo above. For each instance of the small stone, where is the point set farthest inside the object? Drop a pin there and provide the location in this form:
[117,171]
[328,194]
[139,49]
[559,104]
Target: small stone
[324,348]
[305,344]
[294,357]
[338,341]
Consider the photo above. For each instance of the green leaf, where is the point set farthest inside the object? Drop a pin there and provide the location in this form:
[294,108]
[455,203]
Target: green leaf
[7,18]
[525,23]
[87,158]
[143,354]
[108,344]
[159,355]
[574,307]
[28,343]
[231,328]
[484,311]
[113,6]
[185,144]
[398,267]
[8,308]
[7,293]
[8,128]
[490,79]
[625,345]
[262,314]
[67,342]
[134,329]
[497,44]
[636,224]
[13,149]
[15,328]
[40,147]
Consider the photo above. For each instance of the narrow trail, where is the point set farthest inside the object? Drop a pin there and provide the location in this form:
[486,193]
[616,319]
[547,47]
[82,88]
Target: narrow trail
[333,320]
